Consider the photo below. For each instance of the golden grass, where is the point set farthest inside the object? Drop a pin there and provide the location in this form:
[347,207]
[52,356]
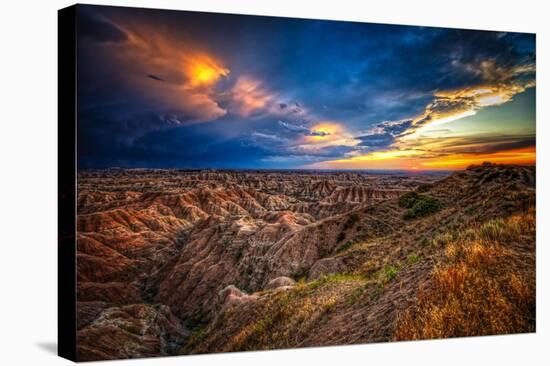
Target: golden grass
[286,317]
[483,284]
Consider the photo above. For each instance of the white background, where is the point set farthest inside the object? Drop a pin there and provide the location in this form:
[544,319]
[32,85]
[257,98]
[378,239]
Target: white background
[28,180]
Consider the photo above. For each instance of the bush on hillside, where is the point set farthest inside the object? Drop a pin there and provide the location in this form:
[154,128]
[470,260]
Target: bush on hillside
[422,207]
[408,199]
[418,205]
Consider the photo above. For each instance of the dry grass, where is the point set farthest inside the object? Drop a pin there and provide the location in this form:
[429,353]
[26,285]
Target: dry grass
[280,319]
[483,284]
[283,320]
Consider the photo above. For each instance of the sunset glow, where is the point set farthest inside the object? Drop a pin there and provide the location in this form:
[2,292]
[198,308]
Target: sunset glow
[405,160]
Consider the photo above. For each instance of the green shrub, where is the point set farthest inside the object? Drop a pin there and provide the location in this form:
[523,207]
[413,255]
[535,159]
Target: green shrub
[408,199]
[413,258]
[390,272]
[423,206]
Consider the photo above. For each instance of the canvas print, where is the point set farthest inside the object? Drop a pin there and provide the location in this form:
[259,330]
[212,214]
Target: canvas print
[249,183]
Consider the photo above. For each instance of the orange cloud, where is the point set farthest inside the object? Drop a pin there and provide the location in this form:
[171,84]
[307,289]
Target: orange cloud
[248,97]
[185,74]
[184,77]
[202,70]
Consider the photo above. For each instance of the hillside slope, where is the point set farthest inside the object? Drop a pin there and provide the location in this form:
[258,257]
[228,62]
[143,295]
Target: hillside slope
[468,269]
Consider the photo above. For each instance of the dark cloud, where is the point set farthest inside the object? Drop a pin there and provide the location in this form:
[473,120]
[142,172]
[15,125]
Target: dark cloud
[294,128]
[302,129]
[479,144]
[503,144]
[154,77]
[318,133]
[97,28]
[377,140]
[384,134]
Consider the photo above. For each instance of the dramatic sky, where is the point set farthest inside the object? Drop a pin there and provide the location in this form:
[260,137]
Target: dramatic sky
[195,90]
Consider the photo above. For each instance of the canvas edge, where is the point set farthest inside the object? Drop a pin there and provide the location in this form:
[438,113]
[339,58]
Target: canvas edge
[66,184]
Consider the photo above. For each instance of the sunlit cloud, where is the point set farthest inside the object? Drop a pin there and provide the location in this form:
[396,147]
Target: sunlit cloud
[404,140]
[327,133]
[202,70]
[249,96]
[323,140]
[449,106]
[174,75]
[500,84]
[184,80]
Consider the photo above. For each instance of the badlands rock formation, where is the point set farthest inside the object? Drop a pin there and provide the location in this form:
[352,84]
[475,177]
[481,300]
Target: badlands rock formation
[175,262]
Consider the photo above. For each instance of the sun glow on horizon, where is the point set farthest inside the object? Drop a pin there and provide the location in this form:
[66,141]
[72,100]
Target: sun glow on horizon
[524,156]
[414,160]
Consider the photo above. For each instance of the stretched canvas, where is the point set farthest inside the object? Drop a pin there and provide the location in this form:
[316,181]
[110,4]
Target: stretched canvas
[241,183]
